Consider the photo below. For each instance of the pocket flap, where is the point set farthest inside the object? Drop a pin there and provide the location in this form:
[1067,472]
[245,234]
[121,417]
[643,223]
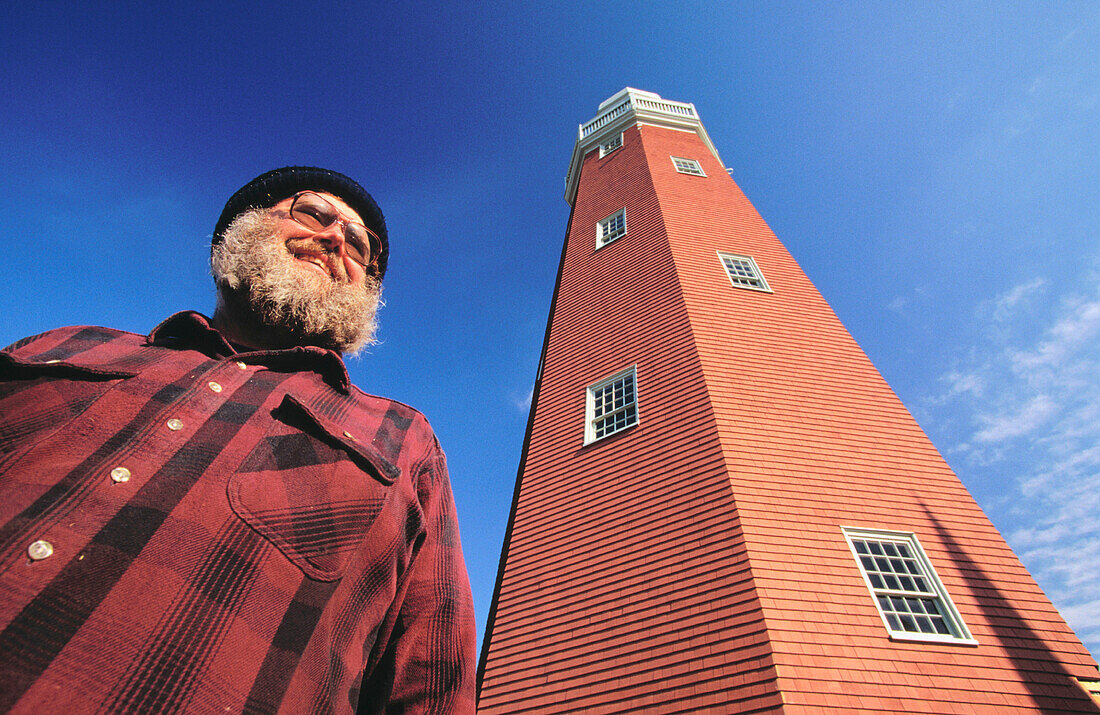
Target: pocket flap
[17,367]
[362,453]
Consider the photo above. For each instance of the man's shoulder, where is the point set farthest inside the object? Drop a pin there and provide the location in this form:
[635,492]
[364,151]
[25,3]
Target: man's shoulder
[393,408]
[399,418]
[62,343]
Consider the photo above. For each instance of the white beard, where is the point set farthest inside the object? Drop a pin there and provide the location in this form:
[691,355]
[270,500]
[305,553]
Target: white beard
[301,306]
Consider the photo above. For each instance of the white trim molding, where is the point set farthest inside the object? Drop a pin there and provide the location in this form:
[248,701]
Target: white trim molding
[611,405]
[611,228]
[911,599]
[624,109]
[687,166]
[743,272]
[615,141]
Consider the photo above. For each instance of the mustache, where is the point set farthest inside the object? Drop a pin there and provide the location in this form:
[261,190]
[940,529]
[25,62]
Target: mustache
[330,256]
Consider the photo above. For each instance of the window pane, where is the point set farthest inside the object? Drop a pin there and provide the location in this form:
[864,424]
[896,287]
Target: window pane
[908,595]
[742,271]
[613,405]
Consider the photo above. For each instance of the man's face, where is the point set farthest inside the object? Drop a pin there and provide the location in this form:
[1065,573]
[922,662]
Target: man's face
[299,283]
[325,251]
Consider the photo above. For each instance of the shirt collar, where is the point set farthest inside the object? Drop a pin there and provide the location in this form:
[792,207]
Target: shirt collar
[189,330]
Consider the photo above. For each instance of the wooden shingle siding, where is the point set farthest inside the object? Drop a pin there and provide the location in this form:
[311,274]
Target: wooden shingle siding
[814,439]
[695,562]
[626,588]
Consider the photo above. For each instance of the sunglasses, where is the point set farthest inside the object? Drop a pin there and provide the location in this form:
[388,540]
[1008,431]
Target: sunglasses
[317,213]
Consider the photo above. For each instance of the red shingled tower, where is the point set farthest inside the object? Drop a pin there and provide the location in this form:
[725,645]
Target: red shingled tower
[721,505]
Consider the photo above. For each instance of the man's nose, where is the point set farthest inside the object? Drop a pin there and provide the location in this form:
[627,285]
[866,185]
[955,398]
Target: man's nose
[332,236]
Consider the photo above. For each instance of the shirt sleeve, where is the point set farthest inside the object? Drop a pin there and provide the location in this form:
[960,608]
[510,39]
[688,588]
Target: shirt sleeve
[34,344]
[429,664]
[31,404]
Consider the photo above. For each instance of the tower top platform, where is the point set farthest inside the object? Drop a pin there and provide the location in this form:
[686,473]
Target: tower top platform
[623,109]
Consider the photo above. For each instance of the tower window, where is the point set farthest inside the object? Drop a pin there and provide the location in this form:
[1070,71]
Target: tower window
[611,228]
[911,599]
[1092,687]
[687,166]
[611,145]
[611,405]
[743,272]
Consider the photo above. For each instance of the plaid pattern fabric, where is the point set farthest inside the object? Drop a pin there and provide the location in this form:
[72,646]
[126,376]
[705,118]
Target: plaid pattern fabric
[231,532]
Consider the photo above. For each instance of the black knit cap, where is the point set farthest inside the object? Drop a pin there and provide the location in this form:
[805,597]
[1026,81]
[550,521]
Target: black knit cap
[270,188]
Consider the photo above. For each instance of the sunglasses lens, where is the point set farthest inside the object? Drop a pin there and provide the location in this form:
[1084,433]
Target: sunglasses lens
[363,245]
[317,214]
[313,212]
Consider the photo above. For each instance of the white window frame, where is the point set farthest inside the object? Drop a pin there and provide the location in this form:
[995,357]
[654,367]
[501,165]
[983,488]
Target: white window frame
[1091,687]
[590,417]
[604,233]
[691,167]
[935,592]
[606,146]
[758,275]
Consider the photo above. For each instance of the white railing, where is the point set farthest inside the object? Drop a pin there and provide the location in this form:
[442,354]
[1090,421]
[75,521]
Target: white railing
[606,117]
[644,106]
[665,106]
[632,101]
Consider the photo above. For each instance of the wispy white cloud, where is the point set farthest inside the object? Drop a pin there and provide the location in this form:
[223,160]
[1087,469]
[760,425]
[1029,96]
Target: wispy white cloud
[1030,396]
[1085,615]
[1034,485]
[897,305]
[903,303]
[959,383]
[1068,38]
[1078,327]
[1031,415]
[1001,308]
[524,403]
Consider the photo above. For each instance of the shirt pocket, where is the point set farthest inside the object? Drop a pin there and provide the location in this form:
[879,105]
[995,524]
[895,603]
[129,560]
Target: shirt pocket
[311,489]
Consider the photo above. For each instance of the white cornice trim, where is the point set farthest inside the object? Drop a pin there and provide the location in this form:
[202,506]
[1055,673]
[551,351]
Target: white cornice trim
[628,107]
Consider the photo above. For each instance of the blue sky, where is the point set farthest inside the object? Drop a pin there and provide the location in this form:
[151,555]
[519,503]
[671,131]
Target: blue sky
[934,168]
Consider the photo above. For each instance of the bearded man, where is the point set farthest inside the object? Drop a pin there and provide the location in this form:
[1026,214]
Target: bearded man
[212,517]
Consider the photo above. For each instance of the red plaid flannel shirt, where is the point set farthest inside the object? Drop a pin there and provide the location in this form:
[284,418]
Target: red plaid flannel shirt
[187,528]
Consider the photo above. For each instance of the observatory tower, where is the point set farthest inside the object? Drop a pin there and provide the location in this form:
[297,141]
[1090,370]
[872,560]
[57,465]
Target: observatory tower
[721,505]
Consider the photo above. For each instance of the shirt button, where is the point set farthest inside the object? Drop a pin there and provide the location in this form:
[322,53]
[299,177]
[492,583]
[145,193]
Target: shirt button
[40,549]
[215,387]
[120,474]
[241,365]
[175,425]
